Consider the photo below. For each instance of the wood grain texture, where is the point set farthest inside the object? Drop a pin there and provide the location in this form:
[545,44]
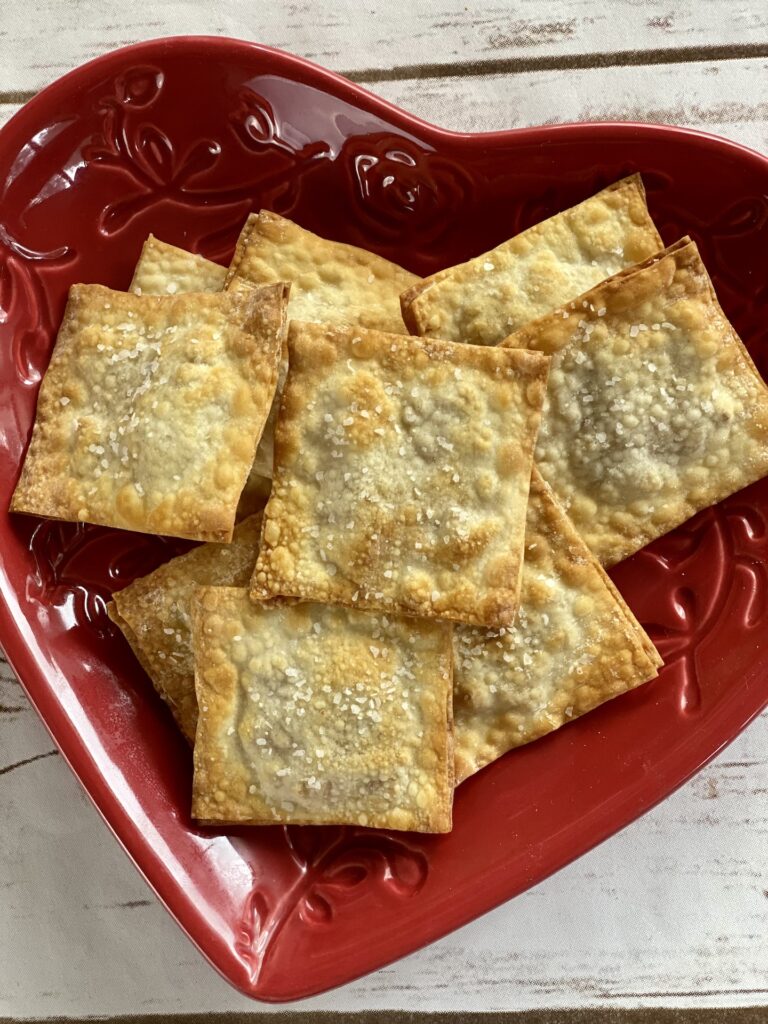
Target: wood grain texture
[728,98]
[42,40]
[594,1015]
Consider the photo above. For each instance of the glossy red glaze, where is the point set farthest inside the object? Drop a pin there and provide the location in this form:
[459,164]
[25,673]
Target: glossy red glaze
[184,137]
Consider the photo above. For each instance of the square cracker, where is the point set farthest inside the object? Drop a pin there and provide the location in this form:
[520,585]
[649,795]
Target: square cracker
[311,714]
[164,269]
[331,281]
[485,299]
[654,409]
[574,645]
[151,408]
[402,468]
[154,614]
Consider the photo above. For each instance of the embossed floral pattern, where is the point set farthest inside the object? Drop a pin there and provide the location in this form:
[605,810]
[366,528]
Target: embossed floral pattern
[331,863]
[161,170]
[729,540]
[57,549]
[401,190]
[79,565]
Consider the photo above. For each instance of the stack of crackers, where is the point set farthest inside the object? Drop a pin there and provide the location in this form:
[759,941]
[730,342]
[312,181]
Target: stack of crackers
[425,588]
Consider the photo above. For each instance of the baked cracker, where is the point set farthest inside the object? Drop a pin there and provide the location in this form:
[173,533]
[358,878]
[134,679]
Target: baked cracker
[319,715]
[485,299]
[151,409]
[574,645]
[154,614]
[331,281]
[402,468]
[654,408]
[164,269]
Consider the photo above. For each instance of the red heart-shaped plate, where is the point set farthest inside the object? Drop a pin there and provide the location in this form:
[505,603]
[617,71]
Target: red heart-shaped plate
[184,137]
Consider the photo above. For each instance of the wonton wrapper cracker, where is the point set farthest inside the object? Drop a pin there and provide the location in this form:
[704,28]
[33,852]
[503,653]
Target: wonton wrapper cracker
[574,645]
[311,714]
[164,269]
[547,265]
[151,408]
[402,469]
[330,280]
[654,409]
[154,614]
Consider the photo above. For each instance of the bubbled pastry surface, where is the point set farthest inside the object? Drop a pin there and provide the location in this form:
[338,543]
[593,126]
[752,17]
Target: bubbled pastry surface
[574,645]
[164,269]
[312,714]
[485,299]
[402,468]
[654,409]
[330,280]
[154,614]
[151,408]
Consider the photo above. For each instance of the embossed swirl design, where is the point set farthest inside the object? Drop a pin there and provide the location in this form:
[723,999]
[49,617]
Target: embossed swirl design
[159,170]
[331,864]
[78,566]
[23,293]
[726,546]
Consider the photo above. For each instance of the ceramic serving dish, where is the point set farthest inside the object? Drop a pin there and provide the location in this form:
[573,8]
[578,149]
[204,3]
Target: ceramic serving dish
[184,137]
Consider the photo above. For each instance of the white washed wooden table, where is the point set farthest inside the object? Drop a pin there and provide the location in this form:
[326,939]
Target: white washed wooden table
[673,912]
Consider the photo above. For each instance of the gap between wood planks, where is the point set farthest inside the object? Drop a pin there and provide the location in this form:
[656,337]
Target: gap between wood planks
[522,65]
[647,1015]
[564,62]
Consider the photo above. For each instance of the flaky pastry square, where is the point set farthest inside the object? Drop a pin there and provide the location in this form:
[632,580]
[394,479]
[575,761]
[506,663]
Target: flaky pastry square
[330,280]
[151,408]
[164,269]
[154,613]
[654,408]
[574,645]
[311,714]
[485,299]
[402,468]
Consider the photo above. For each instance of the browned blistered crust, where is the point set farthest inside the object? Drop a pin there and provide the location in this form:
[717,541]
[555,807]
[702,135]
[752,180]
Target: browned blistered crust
[485,299]
[151,409]
[331,281]
[164,269]
[314,714]
[402,475]
[654,408]
[574,645]
[154,614]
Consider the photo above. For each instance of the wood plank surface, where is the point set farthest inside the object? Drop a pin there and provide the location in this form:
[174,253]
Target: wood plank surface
[42,40]
[673,912]
[728,98]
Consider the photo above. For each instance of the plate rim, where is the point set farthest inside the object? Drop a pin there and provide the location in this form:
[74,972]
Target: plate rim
[355,89]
